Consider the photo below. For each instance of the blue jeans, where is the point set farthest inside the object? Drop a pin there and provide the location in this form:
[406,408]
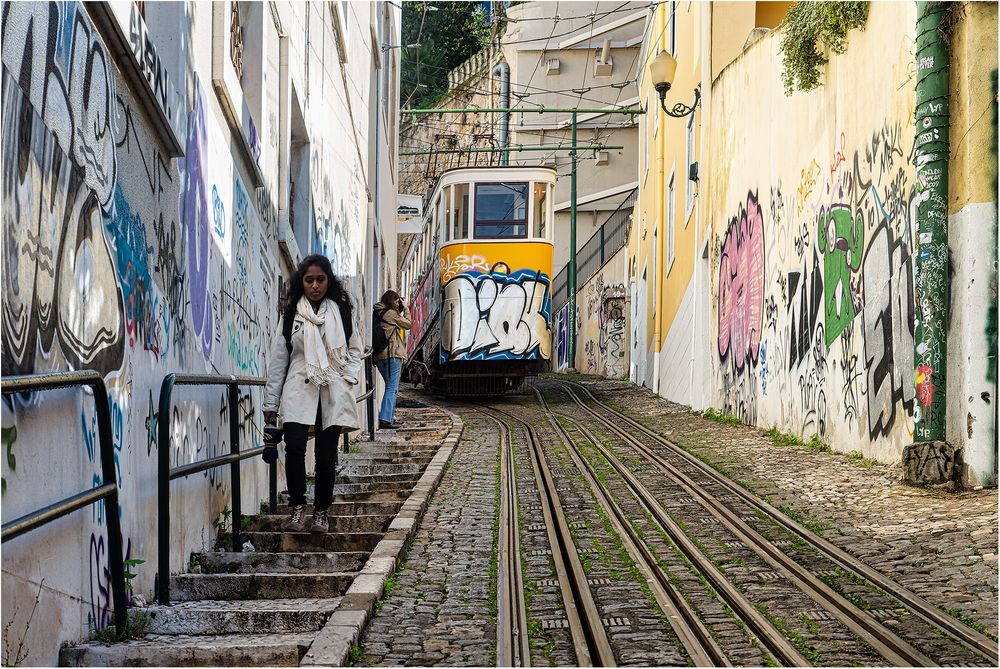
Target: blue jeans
[389,368]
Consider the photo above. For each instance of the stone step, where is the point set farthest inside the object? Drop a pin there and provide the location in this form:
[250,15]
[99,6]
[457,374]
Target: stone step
[160,650]
[280,563]
[380,480]
[365,468]
[259,586]
[347,492]
[359,507]
[251,616]
[345,523]
[375,459]
[389,497]
[304,542]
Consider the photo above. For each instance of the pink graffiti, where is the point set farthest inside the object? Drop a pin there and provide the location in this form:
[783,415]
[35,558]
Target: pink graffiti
[741,286]
[925,387]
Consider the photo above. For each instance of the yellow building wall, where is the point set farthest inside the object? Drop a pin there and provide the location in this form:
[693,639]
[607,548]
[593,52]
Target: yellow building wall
[812,201]
[666,140]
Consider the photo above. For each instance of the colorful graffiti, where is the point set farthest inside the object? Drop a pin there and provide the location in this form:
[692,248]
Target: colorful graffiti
[496,316]
[59,274]
[840,239]
[840,264]
[741,286]
[194,210]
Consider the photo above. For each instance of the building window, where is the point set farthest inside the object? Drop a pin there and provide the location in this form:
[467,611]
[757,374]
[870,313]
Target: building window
[670,222]
[501,210]
[688,184]
[648,143]
[541,207]
[236,40]
[656,258]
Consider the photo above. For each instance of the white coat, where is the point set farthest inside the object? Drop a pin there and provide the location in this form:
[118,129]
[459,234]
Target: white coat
[295,397]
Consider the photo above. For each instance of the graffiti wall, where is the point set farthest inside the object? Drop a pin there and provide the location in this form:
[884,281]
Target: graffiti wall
[602,323]
[121,259]
[497,302]
[813,206]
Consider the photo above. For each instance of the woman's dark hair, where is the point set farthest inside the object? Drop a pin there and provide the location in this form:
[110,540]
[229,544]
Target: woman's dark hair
[334,290]
[389,298]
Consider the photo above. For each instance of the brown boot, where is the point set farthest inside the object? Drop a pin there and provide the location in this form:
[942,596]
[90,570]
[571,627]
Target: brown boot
[297,522]
[321,522]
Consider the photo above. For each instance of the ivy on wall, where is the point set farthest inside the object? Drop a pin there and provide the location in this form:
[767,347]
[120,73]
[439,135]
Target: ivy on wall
[808,24]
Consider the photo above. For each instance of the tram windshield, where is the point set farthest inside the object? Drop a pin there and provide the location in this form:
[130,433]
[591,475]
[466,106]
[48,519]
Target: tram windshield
[501,210]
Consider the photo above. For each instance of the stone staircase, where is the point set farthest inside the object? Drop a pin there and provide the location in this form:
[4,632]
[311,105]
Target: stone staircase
[269,607]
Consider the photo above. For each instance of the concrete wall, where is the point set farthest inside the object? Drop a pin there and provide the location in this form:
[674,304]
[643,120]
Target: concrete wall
[812,200]
[120,258]
[972,229]
[602,324]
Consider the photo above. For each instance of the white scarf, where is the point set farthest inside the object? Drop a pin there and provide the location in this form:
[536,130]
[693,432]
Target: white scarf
[324,343]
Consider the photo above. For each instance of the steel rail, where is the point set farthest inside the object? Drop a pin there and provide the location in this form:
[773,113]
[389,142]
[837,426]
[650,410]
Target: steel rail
[886,642]
[513,640]
[590,638]
[683,619]
[972,639]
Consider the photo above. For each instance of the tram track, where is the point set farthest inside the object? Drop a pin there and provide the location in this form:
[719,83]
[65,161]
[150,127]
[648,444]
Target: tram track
[693,634]
[512,627]
[890,645]
[589,636]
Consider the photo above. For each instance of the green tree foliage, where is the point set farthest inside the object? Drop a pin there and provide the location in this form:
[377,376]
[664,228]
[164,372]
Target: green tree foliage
[447,37]
[808,24]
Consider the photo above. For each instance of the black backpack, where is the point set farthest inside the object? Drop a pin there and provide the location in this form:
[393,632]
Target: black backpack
[379,341]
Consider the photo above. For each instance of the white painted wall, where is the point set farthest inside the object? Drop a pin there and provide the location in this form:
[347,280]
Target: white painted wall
[160,265]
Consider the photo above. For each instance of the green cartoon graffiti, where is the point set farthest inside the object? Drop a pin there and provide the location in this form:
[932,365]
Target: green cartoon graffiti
[842,250]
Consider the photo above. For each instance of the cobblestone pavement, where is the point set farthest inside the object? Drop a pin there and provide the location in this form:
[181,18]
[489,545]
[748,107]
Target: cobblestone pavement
[942,545]
[442,608]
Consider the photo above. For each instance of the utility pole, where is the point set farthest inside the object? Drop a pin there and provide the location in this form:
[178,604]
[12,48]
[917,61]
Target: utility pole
[571,326]
[573,152]
[930,341]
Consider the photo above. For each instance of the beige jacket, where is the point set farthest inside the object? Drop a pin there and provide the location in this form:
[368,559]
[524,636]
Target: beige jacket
[393,323]
[295,397]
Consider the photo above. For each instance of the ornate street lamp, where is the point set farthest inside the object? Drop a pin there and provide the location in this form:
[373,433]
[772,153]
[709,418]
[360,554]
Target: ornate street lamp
[661,71]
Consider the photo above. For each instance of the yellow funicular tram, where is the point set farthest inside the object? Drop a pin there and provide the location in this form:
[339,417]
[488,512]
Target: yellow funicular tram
[480,278]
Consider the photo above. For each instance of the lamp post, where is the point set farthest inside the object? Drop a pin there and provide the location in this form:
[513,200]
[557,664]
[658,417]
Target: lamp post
[662,71]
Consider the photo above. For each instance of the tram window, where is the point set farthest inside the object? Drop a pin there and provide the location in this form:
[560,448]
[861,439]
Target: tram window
[501,210]
[443,209]
[540,207]
[461,209]
[439,219]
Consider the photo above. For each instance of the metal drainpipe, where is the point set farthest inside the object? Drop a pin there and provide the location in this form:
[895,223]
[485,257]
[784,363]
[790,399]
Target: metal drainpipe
[931,288]
[503,69]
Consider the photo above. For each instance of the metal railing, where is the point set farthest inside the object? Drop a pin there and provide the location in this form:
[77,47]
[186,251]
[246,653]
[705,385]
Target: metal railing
[604,243]
[107,491]
[166,473]
[369,398]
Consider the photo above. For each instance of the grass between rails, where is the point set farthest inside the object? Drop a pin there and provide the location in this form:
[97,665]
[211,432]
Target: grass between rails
[599,465]
[964,617]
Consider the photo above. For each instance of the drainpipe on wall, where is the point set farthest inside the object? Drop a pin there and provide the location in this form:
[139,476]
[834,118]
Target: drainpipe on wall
[930,339]
[503,69]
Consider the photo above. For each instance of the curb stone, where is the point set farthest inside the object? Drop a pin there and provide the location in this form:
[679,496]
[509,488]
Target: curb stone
[343,629]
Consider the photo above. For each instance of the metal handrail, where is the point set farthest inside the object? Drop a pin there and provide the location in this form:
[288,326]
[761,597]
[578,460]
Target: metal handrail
[604,243]
[108,491]
[368,397]
[235,456]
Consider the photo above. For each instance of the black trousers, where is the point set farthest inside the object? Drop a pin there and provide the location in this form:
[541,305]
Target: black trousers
[296,435]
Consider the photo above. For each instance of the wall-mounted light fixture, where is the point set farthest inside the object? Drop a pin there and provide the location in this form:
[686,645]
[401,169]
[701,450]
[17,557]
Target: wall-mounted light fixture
[661,71]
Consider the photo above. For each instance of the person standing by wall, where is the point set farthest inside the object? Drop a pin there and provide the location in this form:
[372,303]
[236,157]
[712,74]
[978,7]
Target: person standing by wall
[312,374]
[394,318]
